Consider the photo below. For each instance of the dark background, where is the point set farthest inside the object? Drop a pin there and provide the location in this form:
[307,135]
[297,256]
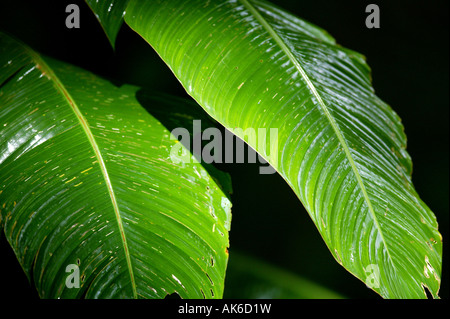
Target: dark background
[409,60]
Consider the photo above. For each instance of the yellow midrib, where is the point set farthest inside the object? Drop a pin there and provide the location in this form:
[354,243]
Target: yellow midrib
[42,65]
[324,108]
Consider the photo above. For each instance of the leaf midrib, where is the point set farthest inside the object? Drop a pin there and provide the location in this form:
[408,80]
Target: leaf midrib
[47,71]
[324,108]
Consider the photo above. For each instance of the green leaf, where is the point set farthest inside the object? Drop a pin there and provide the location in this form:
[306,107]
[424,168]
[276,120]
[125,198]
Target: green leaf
[341,148]
[110,15]
[87,178]
[252,278]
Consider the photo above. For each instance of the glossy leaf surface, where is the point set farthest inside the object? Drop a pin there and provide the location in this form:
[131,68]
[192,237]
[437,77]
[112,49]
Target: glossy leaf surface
[87,181]
[342,149]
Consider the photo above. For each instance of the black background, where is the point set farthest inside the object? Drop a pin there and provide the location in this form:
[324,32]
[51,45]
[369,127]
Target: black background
[409,60]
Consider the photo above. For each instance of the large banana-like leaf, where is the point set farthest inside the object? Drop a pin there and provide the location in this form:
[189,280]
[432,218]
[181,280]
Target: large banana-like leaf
[342,149]
[87,181]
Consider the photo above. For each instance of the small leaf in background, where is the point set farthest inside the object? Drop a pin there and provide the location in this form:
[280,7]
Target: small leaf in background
[110,14]
[252,278]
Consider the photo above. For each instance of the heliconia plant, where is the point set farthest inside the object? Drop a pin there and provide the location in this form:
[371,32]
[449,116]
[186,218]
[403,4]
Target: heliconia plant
[87,177]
